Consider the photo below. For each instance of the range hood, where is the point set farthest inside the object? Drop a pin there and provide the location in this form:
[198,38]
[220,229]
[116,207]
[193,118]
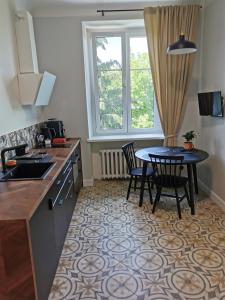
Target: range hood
[35,88]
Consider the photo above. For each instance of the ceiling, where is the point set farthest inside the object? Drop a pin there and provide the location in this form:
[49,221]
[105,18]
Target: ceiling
[65,3]
[82,2]
[45,6]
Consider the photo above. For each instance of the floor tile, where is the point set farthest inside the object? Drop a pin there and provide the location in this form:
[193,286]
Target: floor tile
[117,250]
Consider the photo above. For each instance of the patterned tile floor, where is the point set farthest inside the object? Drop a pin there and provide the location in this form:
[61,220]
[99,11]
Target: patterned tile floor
[116,250]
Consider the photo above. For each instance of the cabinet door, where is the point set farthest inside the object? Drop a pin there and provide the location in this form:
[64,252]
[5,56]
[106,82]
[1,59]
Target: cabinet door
[60,222]
[77,165]
[61,208]
[43,248]
[70,201]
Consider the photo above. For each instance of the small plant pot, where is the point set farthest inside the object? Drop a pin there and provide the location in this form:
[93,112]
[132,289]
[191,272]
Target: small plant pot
[188,146]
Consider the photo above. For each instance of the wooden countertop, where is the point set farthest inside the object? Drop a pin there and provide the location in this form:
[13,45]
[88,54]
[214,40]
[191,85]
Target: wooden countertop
[20,199]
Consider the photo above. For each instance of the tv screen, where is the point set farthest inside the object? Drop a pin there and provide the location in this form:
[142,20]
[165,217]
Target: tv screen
[210,104]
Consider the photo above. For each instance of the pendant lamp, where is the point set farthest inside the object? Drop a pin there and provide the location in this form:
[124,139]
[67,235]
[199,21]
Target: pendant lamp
[182,46]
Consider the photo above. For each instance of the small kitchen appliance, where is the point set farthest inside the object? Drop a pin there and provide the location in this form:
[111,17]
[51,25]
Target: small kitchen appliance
[57,127]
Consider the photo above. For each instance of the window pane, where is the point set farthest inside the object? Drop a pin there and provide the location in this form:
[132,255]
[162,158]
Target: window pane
[110,100]
[139,58]
[142,99]
[109,53]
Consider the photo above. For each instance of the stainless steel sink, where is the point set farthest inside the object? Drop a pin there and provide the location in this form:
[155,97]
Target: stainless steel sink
[29,171]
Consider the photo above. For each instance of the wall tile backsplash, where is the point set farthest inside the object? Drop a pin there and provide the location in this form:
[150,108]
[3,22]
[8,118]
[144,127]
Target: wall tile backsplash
[21,136]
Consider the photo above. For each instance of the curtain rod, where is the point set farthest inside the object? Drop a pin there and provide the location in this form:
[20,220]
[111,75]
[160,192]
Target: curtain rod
[103,11]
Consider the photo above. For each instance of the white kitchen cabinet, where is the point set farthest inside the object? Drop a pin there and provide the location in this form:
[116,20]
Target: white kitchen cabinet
[26,45]
[34,88]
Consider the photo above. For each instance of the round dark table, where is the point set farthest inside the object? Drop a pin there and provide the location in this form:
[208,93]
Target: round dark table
[191,158]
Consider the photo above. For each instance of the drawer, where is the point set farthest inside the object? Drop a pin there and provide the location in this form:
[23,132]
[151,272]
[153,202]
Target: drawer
[65,168]
[59,190]
[63,174]
[76,155]
[62,195]
[70,202]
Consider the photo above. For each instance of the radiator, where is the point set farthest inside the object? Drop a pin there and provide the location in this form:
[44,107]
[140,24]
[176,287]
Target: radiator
[113,164]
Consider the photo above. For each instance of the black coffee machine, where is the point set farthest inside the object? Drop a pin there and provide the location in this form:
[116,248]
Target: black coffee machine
[54,128]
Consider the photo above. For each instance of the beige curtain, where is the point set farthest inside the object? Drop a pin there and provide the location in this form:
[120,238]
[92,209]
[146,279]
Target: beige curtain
[171,73]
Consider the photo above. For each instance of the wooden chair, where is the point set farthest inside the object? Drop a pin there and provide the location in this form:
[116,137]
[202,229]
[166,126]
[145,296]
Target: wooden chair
[135,172]
[168,171]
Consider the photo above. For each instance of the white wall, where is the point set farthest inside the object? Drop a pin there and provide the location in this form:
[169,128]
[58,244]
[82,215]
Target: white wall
[212,172]
[12,114]
[59,48]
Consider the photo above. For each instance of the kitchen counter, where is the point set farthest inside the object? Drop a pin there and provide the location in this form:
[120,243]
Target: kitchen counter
[32,232]
[20,199]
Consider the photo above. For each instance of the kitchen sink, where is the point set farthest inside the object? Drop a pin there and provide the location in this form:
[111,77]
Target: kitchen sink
[30,171]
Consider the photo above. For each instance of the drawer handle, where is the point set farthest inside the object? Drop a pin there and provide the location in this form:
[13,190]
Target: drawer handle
[66,168]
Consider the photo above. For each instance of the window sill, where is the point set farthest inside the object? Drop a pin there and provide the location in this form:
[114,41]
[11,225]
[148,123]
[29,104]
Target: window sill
[130,137]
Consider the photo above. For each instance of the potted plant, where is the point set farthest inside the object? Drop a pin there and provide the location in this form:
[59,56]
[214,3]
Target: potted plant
[189,136]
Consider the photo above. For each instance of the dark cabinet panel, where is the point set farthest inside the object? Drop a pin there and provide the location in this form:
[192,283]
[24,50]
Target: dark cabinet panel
[77,167]
[43,248]
[70,202]
[49,224]
[60,226]
[60,209]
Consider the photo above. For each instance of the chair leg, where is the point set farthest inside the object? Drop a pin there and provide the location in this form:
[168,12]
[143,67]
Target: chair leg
[128,191]
[150,192]
[178,204]
[135,183]
[152,185]
[186,194]
[157,198]
[152,181]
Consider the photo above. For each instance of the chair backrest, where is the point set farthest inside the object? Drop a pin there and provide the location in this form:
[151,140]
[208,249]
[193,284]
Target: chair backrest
[128,151]
[167,167]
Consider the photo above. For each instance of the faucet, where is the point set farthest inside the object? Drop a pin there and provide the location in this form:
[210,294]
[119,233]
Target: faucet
[4,150]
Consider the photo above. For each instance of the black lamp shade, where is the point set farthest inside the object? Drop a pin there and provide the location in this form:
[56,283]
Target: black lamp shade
[182,46]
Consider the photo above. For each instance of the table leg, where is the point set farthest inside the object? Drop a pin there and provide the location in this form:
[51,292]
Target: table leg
[143,179]
[195,177]
[191,192]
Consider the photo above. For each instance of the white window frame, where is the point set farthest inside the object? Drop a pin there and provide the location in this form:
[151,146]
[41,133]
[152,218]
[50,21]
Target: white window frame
[92,87]
[98,131]
[157,125]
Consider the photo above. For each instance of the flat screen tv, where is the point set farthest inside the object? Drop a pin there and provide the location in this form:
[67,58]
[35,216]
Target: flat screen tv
[210,104]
